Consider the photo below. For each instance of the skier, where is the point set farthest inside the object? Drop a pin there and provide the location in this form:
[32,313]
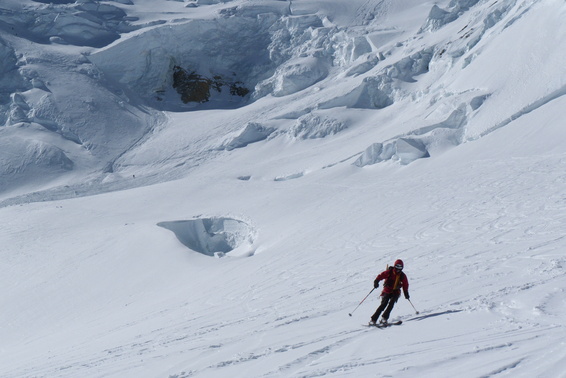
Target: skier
[394,280]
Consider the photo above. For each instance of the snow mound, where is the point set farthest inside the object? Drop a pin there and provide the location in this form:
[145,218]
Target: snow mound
[291,176]
[385,88]
[24,158]
[252,132]
[312,126]
[418,143]
[404,150]
[294,76]
[361,68]
[439,17]
[213,236]
[305,52]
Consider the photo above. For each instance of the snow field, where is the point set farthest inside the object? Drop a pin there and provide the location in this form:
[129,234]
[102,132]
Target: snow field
[481,257]
[377,131]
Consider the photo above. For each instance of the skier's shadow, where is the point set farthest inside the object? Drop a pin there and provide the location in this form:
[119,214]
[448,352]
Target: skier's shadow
[433,315]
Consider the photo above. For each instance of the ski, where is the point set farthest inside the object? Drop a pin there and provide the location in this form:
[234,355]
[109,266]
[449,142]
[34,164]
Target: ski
[378,325]
[398,322]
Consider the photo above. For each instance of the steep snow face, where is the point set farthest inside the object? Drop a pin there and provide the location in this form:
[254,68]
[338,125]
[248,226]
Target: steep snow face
[379,56]
[48,87]
[89,124]
[436,58]
[144,63]
[267,50]
[11,83]
[261,49]
[81,23]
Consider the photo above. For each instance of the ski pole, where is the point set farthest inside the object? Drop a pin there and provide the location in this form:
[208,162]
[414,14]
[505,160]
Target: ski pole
[361,301]
[413,305]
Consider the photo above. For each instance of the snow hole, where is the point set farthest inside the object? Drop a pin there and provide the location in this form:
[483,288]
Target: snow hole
[213,236]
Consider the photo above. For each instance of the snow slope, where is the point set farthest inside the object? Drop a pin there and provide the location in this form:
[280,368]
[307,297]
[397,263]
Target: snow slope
[147,237]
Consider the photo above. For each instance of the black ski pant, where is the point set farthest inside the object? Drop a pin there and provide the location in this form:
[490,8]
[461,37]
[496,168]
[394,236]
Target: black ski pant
[387,303]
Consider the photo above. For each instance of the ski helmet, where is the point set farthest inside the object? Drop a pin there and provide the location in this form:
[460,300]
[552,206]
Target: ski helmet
[399,264]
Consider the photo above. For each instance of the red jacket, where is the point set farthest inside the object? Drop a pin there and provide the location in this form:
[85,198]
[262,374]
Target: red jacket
[390,277]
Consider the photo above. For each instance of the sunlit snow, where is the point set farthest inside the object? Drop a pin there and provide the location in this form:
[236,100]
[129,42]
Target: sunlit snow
[208,188]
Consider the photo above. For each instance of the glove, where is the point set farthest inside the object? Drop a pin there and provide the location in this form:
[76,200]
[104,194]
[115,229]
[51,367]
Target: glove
[407,296]
[375,284]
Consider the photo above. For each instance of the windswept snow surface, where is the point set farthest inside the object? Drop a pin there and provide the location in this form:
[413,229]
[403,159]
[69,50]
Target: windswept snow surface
[147,237]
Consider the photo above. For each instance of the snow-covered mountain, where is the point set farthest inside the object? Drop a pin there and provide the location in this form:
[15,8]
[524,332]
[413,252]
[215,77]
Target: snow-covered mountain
[208,188]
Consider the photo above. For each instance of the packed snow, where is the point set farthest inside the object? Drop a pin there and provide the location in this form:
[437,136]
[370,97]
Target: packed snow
[208,188]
